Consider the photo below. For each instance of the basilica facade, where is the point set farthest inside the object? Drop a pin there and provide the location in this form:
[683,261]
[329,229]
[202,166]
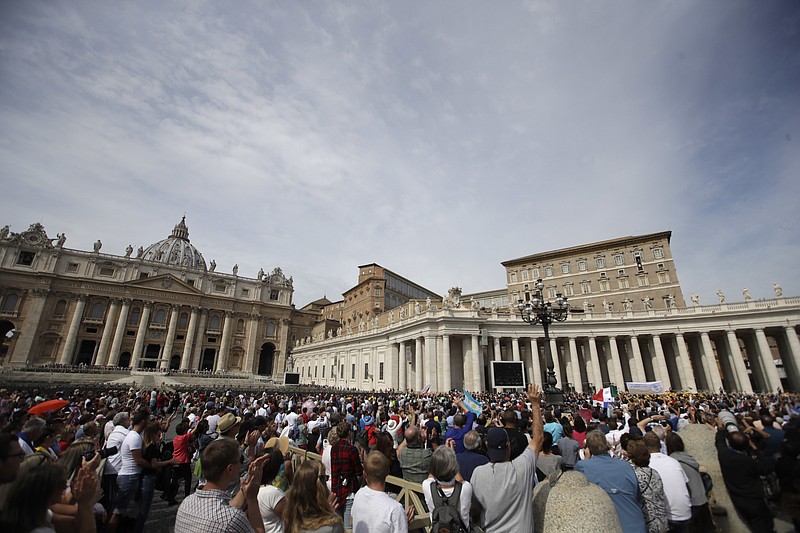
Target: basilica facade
[159,307]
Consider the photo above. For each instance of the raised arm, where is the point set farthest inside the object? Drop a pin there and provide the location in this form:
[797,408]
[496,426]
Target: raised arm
[534,395]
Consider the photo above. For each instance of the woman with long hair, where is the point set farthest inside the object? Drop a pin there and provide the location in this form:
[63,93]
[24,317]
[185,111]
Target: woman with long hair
[151,452]
[308,506]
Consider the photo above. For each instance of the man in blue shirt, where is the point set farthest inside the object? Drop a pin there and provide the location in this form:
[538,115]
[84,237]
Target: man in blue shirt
[617,478]
[471,457]
[553,426]
[461,425]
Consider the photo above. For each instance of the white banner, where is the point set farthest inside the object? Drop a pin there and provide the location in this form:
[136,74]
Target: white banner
[645,387]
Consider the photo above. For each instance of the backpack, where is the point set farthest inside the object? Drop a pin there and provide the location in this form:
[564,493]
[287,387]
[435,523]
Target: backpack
[363,438]
[445,515]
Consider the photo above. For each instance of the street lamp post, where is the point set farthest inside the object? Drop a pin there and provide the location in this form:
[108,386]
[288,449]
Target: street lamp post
[537,311]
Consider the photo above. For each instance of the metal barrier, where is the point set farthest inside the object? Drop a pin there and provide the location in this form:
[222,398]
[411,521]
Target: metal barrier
[410,493]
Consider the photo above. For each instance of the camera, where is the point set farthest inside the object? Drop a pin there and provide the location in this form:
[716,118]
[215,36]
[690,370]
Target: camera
[105,453]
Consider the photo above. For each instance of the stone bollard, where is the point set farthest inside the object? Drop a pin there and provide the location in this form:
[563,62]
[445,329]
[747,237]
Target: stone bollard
[699,442]
[569,503]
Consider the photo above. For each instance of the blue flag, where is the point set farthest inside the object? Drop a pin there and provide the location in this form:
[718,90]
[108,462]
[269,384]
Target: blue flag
[472,404]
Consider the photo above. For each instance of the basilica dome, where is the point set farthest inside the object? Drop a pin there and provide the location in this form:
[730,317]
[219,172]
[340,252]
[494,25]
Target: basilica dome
[176,250]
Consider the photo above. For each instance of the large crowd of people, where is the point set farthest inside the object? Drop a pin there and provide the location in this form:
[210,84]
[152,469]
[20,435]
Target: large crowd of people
[94,459]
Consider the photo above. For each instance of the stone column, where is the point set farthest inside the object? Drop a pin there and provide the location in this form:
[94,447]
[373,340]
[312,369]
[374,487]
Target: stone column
[119,333]
[418,367]
[577,379]
[186,356]
[430,362]
[685,363]
[446,371]
[194,364]
[737,362]
[515,349]
[466,361]
[166,355]
[536,368]
[498,351]
[22,349]
[556,363]
[391,366]
[619,376]
[792,361]
[598,375]
[710,362]
[477,366]
[141,333]
[402,367]
[637,366]
[660,363]
[768,362]
[108,329]
[72,333]
[225,345]
[252,341]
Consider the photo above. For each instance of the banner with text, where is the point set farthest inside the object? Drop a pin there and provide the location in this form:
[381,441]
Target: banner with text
[645,387]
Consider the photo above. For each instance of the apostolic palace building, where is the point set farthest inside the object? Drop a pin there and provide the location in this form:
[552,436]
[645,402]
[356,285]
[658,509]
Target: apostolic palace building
[163,307]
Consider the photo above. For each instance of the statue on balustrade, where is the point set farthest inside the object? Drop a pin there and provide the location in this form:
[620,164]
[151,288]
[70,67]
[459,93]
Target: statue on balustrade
[778,290]
[695,299]
[721,296]
[746,294]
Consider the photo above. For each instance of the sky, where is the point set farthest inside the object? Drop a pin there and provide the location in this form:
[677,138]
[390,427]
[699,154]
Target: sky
[434,138]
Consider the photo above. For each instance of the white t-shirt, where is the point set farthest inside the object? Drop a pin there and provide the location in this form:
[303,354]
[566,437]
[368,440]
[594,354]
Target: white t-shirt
[465,501]
[213,420]
[114,462]
[133,441]
[376,512]
[108,428]
[268,499]
[679,504]
[326,460]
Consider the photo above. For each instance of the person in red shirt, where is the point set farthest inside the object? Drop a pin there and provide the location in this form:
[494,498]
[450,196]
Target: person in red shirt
[182,469]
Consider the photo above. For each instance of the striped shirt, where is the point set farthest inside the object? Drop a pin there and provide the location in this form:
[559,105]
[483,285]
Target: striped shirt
[209,511]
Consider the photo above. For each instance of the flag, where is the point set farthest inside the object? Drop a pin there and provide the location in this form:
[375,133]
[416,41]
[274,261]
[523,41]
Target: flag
[604,396]
[426,389]
[472,404]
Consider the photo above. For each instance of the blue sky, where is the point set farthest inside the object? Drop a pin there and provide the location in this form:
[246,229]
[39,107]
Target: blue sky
[435,138]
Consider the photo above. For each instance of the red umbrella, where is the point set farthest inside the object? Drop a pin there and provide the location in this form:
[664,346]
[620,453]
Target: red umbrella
[47,406]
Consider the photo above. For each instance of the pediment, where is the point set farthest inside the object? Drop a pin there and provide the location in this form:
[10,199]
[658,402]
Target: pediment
[165,282]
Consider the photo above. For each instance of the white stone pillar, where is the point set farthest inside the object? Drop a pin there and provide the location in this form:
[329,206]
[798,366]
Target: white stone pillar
[197,357]
[765,354]
[556,363]
[515,349]
[430,362]
[252,340]
[119,333]
[792,361]
[108,329]
[446,371]
[391,366]
[536,368]
[637,365]
[418,377]
[660,363]
[225,345]
[598,375]
[710,362]
[498,351]
[477,366]
[166,355]
[141,333]
[616,363]
[186,356]
[72,334]
[403,367]
[577,379]
[685,363]
[466,362]
[22,349]
[737,362]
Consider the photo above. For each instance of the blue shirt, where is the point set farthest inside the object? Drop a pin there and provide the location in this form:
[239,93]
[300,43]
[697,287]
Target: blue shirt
[555,429]
[468,461]
[618,479]
[457,434]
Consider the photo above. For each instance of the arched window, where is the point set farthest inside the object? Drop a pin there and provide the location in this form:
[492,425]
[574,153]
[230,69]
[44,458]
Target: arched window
[10,303]
[98,310]
[183,321]
[213,323]
[160,317]
[240,326]
[133,319]
[61,308]
[271,329]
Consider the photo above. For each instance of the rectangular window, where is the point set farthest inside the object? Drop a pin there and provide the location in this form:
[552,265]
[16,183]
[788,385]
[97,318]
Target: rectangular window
[273,295]
[663,277]
[380,371]
[245,293]
[658,253]
[548,271]
[106,271]
[143,275]
[643,281]
[353,373]
[604,286]
[26,258]
[525,275]
[565,268]
[323,372]
[623,283]
[600,262]
[585,287]
[621,272]
[72,267]
[190,282]
[513,277]
[535,273]
[377,291]
[568,290]
[219,287]
[551,292]
[315,372]
[366,370]
[581,266]
[619,259]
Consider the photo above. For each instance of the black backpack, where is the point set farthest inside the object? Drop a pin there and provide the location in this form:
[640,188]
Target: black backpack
[445,515]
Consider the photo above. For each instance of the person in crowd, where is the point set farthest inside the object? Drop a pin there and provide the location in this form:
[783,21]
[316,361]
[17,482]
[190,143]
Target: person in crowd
[211,509]
[579,430]
[414,459]
[345,473]
[547,462]
[567,446]
[132,463]
[11,456]
[502,488]
[701,514]
[553,426]
[327,446]
[741,472]
[31,431]
[516,438]
[654,501]
[445,478]
[151,453]
[271,501]
[462,423]
[373,510]
[471,457]
[385,445]
[617,478]
[44,444]
[308,502]
[108,483]
[679,504]
[182,462]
